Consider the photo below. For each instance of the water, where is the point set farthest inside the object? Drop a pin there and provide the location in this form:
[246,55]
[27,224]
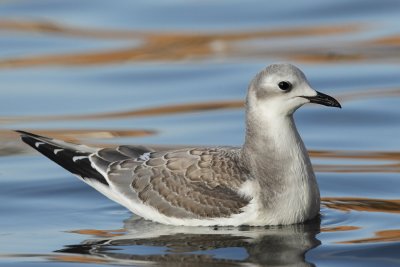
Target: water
[175,73]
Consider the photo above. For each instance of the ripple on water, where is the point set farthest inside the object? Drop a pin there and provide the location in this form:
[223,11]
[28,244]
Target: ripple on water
[140,73]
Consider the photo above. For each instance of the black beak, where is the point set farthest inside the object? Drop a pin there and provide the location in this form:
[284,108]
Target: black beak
[323,99]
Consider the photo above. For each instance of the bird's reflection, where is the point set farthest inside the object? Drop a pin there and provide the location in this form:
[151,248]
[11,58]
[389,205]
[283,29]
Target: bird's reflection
[145,243]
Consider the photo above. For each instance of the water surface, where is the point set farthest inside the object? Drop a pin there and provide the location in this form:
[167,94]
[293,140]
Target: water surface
[175,73]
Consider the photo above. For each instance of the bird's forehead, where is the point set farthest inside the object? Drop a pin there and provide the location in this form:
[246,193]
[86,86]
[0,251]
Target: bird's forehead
[283,71]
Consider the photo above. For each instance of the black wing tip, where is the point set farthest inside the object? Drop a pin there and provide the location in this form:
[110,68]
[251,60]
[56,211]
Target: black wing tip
[30,138]
[21,132]
[64,158]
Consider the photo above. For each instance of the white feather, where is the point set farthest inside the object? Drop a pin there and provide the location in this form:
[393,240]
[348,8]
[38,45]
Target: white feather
[74,159]
[37,144]
[56,151]
[145,156]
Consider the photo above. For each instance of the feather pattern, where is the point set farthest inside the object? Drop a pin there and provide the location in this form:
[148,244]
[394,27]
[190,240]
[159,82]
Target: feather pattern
[187,183]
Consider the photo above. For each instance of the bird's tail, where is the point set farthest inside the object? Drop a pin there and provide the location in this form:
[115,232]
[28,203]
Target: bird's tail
[72,157]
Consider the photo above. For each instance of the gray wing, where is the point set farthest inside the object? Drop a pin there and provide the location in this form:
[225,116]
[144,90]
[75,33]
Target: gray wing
[186,183]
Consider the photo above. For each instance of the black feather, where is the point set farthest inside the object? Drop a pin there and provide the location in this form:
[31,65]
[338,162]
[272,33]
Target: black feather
[64,157]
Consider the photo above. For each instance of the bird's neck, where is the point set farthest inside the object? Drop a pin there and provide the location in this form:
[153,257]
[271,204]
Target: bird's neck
[271,135]
[279,164]
[274,150]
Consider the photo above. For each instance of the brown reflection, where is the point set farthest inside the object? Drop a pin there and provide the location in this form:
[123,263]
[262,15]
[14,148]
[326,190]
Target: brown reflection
[161,111]
[380,49]
[325,57]
[380,236]
[76,135]
[393,40]
[57,28]
[362,204]
[340,228]
[369,166]
[8,145]
[370,94]
[384,168]
[155,111]
[48,27]
[99,233]
[77,259]
[347,154]
[170,46]
[176,46]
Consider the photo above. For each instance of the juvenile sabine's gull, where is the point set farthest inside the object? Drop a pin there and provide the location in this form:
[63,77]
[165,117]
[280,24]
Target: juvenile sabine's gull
[267,181]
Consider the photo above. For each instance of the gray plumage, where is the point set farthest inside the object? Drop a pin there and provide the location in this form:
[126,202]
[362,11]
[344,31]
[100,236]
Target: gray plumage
[267,181]
[185,183]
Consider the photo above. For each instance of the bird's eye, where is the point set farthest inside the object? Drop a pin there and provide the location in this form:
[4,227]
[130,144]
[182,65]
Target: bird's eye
[286,86]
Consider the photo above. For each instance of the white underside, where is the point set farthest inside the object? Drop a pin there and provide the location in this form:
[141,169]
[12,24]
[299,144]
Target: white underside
[287,212]
[247,217]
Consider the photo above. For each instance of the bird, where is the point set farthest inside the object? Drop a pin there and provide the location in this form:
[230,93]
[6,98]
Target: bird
[269,180]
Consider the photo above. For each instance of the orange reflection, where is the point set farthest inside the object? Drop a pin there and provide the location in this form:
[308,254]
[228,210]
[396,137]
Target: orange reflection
[393,40]
[384,168]
[176,46]
[362,204]
[340,228]
[327,57]
[170,46]
[380,236]
[371,156]
[154,111]
[78,259]
[100,233]
[57,28]
[370,94]
[76,135]
[164,110]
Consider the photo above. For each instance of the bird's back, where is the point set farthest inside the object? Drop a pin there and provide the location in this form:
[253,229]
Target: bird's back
[185,184]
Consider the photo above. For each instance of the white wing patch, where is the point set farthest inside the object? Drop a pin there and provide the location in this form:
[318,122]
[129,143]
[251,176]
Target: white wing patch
[37,144]
[57,150]
[74,159]
[145,156]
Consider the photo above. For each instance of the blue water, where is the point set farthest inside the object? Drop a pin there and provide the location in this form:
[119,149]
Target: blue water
[98,72]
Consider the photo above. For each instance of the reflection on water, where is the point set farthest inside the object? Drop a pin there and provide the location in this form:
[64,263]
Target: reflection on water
[362,204]
[76,136]
[380,236]
[177,46]
[172,46]
[147,242]
[111,76]
[154,111]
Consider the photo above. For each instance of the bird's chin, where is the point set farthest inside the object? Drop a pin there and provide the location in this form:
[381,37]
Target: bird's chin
[296,103]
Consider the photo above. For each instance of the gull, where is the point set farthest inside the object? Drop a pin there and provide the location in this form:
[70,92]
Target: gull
[267,181]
